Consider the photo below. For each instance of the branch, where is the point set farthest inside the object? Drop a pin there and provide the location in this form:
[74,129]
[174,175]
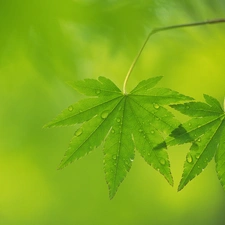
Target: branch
[156,30]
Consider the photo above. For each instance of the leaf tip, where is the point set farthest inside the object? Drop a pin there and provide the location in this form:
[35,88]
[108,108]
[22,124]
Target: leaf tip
[48,125]
[171,182]
[45,126]
[111,196]
[180,187]
[159,77]
[61,166]
[112,193]
[63,163]
[182,184]
[69,83]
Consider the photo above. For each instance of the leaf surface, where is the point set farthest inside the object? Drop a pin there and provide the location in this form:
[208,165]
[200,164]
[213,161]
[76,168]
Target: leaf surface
[121,122]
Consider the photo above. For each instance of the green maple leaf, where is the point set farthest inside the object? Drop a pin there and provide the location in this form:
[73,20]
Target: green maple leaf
[123,123]
[206,132]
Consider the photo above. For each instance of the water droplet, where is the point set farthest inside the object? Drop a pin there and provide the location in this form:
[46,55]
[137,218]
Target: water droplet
[131,159]
[70,108]
[199,140]
[162,162]
[79,132]
[114,157]
[197,156]
[118,120]
[187,107]
[97,92]
[189,124]
[140,130]
[152,131]
[105,114]
[156,106]
[189,158]
[113,131]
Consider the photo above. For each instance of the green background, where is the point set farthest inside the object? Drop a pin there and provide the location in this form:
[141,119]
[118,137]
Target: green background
[44,44]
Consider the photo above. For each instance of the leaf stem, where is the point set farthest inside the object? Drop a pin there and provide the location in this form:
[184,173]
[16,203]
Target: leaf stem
[156,30]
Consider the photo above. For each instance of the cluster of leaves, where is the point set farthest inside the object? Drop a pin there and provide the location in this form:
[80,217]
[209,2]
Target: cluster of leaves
[141,121]
[206,132]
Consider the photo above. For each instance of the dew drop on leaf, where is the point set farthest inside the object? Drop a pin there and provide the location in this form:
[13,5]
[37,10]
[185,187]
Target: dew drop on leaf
[114,157]
[199,140]
[97,92]
[197,156]
[156,106]
[70,108]
[140,130]
[113,131]
[189,158]
[105,114]
[152,131]
[189,124]
[162,162]
[118,120]
[126,162]
[79,132]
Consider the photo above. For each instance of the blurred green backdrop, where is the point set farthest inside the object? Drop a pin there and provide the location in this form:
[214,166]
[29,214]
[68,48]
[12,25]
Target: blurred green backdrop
[44,44]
